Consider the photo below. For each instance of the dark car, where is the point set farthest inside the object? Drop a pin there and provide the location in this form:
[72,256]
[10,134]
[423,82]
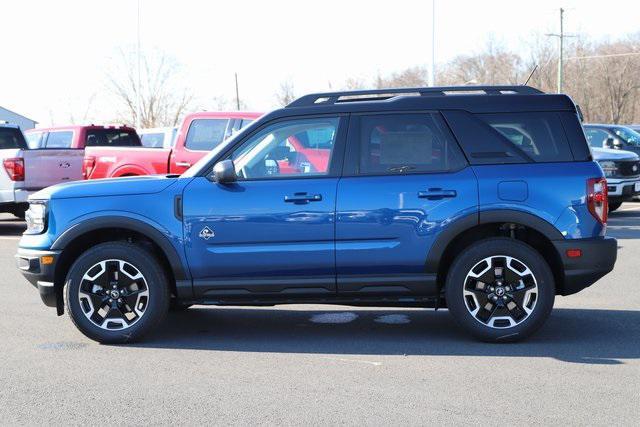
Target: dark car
[618,137]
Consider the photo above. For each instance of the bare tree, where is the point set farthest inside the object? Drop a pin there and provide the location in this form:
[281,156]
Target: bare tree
[285,94]
[162,97]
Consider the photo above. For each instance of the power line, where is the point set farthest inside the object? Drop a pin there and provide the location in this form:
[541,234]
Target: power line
[604,56]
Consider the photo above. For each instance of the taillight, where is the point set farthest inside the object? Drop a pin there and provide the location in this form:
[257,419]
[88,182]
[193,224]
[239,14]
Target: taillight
[88,164]
[14,168]
[597,199]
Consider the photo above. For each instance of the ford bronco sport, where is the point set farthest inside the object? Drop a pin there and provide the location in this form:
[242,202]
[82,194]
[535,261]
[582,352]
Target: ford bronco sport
[484,200]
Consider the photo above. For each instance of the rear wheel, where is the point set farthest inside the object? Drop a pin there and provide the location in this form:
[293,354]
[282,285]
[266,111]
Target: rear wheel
[116,292]
[614,205]
[500,290]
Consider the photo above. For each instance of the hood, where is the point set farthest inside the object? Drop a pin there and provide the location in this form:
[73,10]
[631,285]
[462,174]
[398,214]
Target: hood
[106,187]
[610,154]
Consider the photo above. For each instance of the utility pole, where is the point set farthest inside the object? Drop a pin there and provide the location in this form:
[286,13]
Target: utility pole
[561,36]
[139,94]
[237,94]
[432,74]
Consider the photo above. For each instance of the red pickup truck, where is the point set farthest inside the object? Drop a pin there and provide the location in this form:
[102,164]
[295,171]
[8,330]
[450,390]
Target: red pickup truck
[114,151]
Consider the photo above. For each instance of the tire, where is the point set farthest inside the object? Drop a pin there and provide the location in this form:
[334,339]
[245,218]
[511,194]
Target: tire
[20,210]
[495,310]
[614,205]
[138,303]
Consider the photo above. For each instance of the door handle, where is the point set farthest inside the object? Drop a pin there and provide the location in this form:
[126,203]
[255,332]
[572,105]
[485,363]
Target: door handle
[183,164]
[301,198]
[437,194]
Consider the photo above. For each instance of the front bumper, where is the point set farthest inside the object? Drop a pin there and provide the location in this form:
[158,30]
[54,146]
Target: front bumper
[39,270]
[623,188]
[597,259]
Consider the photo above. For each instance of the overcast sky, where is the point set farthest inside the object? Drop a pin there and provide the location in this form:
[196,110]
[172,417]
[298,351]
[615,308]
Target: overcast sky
[55,53]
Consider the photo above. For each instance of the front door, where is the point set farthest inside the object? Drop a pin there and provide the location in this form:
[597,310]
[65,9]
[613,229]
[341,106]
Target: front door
[271,233]
[405,181]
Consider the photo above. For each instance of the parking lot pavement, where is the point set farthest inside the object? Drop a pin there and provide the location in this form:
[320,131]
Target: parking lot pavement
[328,365]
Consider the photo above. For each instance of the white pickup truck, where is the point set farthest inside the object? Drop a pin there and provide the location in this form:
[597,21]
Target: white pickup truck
[27,170]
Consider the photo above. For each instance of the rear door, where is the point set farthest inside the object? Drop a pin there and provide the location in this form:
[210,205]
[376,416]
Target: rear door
[55,163]
[405,180]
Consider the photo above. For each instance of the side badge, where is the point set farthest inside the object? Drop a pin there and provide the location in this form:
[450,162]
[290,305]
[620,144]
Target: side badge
[206,233]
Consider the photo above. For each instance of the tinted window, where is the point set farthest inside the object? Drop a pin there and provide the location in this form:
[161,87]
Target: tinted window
[11,138]
[61,139]
[406,143]
[112,138]
[539,136]
[596,137]
[152,140]
[206,134]
[278,150]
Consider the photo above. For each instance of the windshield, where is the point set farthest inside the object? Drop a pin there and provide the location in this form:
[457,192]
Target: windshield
[629,136]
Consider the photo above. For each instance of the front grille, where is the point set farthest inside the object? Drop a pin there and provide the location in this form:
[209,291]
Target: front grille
[629,168]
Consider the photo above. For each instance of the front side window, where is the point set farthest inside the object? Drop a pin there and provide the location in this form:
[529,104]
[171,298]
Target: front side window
[539,136]
[407,143]
[59,139]
[629,136]
[284,149]
[112,138]
[206,134]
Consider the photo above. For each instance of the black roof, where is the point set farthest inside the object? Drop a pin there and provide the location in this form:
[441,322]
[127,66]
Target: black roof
[475,99]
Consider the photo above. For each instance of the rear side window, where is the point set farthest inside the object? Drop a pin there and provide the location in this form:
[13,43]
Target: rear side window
[405,143]
[206,134]
[112,138]
[152,140]
[596,137]
[61,139]
[539,136]
[11,138]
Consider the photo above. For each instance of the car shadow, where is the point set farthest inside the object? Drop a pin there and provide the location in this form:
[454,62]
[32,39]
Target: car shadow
[12,226]
[570,335]
[624,224]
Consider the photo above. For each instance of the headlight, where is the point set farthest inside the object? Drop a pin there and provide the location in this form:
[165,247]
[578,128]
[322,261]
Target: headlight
[36,217]
[609,168]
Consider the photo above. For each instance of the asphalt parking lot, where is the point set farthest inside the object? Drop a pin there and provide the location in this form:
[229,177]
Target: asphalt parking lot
[327,365]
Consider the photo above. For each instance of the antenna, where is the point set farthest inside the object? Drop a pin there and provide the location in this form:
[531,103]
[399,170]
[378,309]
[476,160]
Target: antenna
[530,75]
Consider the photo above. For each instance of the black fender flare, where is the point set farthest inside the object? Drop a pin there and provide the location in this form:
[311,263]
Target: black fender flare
[469,221]
[149,231]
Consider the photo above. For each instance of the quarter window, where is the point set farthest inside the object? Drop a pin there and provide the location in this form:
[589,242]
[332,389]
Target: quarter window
[206,134]
[301,147]
[539,136]
[407,143]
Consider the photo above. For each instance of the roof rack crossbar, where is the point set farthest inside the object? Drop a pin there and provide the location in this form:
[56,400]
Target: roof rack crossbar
[328,98]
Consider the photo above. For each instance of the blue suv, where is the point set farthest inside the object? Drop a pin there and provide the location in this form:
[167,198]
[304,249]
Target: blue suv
[484,200]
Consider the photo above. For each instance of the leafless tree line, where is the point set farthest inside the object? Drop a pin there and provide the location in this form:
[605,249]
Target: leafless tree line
[602,77]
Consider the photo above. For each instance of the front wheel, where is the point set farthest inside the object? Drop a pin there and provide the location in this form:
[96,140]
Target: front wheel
[500,290]
[116,292]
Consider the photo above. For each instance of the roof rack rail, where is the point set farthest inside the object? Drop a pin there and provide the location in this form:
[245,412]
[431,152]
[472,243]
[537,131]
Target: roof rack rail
[328,98]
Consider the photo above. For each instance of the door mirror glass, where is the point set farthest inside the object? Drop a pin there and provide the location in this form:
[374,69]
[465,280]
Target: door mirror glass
[224,172]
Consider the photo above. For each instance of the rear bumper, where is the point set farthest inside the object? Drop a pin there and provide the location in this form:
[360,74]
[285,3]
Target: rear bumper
[40,275]
[598,258]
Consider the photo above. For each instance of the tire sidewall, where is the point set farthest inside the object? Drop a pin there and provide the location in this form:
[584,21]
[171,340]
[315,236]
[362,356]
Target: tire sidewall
[154,276]
[497,247]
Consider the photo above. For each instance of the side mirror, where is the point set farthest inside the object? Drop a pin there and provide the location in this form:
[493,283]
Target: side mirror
[612,143]
[224,172]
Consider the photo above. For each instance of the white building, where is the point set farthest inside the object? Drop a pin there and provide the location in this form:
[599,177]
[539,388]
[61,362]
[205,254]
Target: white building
[16,119]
